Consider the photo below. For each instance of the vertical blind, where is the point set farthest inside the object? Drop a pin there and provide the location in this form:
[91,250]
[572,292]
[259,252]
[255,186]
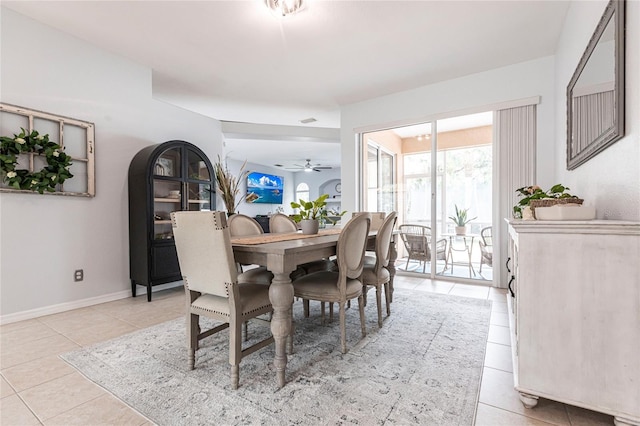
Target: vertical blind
[515,157]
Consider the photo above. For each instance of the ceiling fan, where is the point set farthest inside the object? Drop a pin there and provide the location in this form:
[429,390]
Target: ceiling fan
[308,167]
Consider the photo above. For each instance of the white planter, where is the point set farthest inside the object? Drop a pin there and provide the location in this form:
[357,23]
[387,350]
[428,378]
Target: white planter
[461,230]
[309,226]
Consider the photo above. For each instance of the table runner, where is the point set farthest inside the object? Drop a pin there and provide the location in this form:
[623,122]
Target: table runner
[273,238]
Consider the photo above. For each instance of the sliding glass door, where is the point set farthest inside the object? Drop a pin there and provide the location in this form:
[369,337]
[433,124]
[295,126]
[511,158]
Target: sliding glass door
[380,172]
[444,170]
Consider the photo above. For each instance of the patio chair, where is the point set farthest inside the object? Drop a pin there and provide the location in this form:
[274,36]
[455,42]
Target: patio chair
[486,247]
[417,242]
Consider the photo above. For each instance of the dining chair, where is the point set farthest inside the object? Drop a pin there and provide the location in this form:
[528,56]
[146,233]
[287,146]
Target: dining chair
[205,255]
[417,242]
[375,272]
[486,247]
[280,223]
[244,226]
[377,218]
[344,284]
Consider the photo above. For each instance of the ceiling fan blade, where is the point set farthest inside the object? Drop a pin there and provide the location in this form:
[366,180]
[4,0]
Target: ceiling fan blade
[316,170]
[323,167]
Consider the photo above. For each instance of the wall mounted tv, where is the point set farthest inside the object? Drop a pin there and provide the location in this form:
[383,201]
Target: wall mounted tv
[264,188]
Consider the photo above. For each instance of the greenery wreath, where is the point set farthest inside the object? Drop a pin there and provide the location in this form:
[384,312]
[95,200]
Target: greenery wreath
[55,172]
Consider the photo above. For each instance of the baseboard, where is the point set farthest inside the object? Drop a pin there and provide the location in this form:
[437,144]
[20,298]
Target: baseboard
[83,303]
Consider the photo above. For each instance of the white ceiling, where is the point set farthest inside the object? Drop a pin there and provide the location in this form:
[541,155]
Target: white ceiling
[234,61]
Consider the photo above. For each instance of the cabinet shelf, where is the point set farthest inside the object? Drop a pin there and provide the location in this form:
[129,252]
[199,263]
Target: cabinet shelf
[166,200]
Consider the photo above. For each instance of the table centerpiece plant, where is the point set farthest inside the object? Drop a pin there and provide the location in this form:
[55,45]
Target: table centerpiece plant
[312,212]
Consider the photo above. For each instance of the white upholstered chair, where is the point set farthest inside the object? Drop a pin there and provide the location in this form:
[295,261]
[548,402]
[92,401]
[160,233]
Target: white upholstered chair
[211,282]
[345,284]
[375,272]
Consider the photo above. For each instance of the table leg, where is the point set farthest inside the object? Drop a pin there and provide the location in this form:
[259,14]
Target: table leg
[281,297]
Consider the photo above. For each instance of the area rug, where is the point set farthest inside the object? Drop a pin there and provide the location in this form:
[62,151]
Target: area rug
[422,367]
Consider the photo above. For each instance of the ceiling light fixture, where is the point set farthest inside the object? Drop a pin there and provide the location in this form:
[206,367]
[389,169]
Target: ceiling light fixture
[282,8]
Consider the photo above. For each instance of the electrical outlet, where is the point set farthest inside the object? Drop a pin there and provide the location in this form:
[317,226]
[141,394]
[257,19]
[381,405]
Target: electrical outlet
[78,275]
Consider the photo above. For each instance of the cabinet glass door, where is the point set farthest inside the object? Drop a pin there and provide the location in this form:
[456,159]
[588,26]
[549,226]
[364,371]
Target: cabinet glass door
[167,192]
[198,183]
[199,196]
[168,164]
[197,168]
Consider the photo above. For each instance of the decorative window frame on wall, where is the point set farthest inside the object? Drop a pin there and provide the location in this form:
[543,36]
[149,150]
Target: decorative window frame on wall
[76,137]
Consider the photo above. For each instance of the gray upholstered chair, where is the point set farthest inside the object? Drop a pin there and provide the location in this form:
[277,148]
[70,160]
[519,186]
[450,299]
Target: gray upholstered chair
[417,242]
[244,226]
[375,272]
[345,284]
[376,219]
[486,247]
[211,282]
[280,223]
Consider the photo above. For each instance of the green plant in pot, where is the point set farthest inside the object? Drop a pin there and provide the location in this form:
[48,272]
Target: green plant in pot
[461,219]
[310,213]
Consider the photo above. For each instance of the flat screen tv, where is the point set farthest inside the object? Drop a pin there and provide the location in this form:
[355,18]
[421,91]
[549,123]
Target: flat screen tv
[264,188]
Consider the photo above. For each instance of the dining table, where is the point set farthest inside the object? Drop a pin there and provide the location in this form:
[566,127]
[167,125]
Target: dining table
[281,254]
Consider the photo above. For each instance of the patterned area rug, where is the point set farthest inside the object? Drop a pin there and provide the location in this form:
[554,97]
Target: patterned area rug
[423,367]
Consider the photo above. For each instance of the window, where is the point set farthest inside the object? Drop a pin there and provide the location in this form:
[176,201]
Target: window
[302,192]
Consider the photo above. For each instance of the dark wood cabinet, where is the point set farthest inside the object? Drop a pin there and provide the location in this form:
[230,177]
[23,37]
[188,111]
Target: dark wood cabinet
[163,178]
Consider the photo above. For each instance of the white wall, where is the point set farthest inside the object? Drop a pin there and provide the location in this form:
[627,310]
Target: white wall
[459,96]
[611,180]
[45,238]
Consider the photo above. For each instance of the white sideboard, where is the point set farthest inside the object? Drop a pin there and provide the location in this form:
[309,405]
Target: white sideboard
[575,314]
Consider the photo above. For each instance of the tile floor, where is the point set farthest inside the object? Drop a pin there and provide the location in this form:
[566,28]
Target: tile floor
[36,387]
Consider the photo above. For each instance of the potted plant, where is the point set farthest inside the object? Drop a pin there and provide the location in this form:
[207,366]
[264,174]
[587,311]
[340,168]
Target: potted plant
[228,184]
[310,213]
[533,196]
[461,219]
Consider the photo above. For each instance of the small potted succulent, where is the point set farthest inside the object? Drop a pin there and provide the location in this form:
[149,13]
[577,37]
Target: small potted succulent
[461,219]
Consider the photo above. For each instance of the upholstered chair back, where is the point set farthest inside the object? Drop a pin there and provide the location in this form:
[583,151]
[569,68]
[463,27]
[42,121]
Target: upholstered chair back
[204,250]
[352,244]
[383,240]
[279,223]
[241,225]
[377,218]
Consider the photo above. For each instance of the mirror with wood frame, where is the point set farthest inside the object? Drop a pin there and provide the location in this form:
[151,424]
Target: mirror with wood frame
[595,94]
